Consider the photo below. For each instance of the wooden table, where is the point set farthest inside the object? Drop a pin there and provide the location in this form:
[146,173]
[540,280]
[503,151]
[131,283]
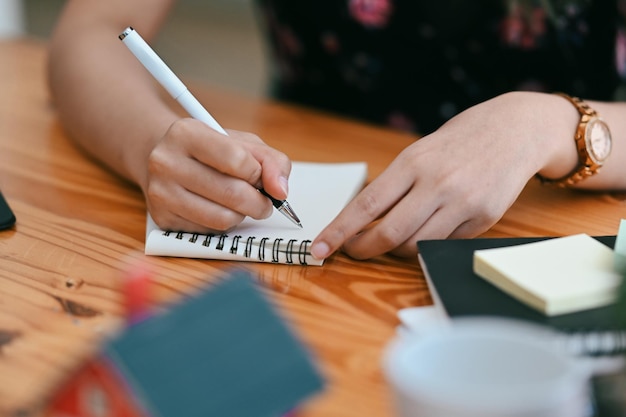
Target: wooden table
[79,227]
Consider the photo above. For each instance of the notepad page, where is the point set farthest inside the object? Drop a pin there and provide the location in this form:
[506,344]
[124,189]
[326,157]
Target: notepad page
[317,193]
[554,276]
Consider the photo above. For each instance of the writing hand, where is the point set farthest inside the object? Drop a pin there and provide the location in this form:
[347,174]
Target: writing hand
[202,181]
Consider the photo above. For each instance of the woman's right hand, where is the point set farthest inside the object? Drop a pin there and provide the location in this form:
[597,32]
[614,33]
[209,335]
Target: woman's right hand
[199,180]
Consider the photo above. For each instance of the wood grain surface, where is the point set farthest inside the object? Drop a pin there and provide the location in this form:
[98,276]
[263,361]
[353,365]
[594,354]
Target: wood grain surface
[80,227]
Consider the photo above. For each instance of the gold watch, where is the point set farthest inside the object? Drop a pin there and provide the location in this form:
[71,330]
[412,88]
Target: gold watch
[593,143]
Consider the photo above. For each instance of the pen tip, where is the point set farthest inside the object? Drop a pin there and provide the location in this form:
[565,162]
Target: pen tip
[286,209]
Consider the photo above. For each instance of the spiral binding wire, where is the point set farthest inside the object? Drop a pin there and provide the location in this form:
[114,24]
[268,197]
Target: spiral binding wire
[605,342]
[291,248]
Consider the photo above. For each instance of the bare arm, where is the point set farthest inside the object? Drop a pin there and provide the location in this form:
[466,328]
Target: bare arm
[193,178]
[101,92]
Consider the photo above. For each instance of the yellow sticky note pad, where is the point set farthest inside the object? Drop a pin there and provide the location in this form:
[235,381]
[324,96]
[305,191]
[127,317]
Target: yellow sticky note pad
[620,248]
[555,276]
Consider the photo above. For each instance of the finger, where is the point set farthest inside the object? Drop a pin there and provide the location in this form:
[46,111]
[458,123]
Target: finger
[275,166]
[229,192]
[438,226]
[450,222]
[275,169]
[471,228]
[179,209]
[396,229]
[467,216]
[215,150]
[366,207]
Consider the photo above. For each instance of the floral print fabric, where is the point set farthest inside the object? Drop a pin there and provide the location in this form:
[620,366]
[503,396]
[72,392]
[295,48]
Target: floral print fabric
[413,64]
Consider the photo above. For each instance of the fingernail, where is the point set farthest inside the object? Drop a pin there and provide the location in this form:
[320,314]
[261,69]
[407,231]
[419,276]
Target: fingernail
[320,250]
[284,184]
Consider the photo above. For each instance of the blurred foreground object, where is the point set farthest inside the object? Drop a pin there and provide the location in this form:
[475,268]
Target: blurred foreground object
[610,389]
[486,367]
[11,18]
[224,352]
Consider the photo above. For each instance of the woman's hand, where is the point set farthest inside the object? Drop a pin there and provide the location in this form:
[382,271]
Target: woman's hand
[201,181]
[458,181]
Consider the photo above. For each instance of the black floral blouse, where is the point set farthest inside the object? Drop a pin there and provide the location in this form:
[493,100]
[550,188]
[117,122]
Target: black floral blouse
[414,64]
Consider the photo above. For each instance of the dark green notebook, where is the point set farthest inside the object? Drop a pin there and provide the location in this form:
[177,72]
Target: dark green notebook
[447,265]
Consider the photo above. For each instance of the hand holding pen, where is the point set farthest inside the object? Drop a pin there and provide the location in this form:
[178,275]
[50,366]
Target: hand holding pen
[179,91]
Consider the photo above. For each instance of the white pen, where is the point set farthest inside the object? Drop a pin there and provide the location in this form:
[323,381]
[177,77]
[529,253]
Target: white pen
[175,87]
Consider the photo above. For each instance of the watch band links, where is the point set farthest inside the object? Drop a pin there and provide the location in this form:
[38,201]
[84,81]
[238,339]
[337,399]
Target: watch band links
[585,167]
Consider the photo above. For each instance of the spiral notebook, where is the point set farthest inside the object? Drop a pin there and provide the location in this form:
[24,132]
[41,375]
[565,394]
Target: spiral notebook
[457,291]
[317,193]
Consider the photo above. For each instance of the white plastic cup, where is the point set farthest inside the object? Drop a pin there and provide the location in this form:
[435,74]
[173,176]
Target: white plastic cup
[482,367]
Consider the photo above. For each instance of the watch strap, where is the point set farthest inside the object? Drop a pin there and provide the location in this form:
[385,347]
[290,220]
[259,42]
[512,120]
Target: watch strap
[585,167]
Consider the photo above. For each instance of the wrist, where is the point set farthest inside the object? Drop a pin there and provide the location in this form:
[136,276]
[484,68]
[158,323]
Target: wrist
[591,140]
[136,154]
[560,128]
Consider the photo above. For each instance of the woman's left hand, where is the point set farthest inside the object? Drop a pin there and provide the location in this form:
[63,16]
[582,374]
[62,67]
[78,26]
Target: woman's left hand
[458,181]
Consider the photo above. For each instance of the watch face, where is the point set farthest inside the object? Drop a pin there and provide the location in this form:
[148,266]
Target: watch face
[598,138]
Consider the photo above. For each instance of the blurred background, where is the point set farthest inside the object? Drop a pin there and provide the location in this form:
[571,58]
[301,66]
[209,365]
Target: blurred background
[213,41]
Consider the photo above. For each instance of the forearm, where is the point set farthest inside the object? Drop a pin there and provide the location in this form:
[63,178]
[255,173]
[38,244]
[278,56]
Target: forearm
[105,99]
